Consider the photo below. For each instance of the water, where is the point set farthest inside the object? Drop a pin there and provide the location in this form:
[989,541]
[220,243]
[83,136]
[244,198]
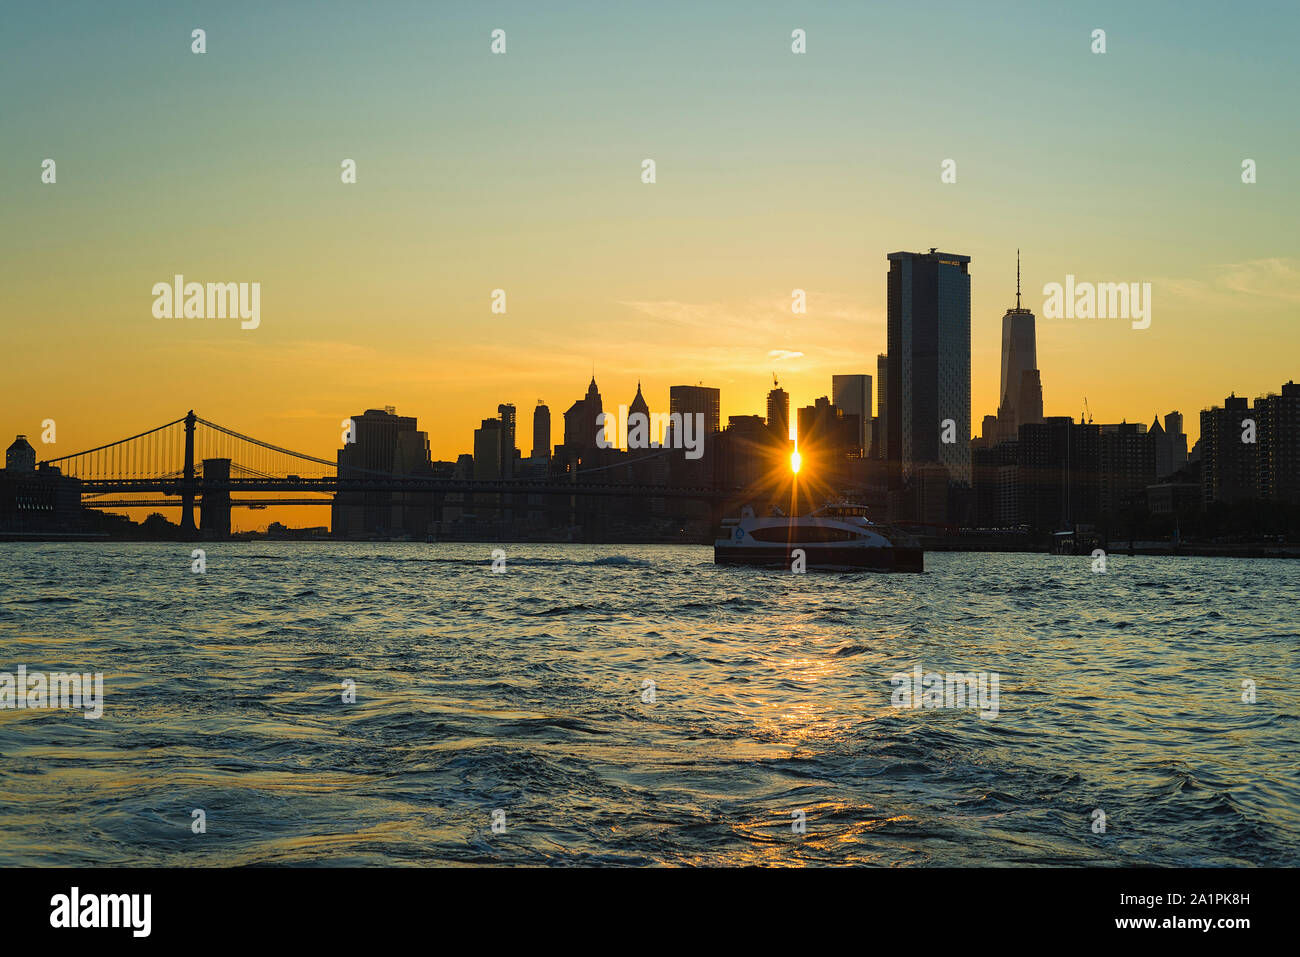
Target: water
[522,692]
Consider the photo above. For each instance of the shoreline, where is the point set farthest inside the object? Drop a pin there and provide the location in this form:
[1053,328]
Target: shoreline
[1185,549]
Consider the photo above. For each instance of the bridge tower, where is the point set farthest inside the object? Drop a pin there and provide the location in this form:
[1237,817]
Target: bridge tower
[187,483]
[214,507]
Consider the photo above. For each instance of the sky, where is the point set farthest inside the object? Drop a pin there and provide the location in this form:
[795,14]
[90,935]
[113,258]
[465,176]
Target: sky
[775,171]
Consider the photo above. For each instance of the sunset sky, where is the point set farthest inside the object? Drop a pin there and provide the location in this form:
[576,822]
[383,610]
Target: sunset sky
[522,171]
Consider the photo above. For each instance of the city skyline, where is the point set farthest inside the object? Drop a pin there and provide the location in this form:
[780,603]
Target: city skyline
[474,446]
[494,454]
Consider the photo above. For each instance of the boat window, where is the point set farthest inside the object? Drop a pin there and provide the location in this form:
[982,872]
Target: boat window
[842,511]
[803,534]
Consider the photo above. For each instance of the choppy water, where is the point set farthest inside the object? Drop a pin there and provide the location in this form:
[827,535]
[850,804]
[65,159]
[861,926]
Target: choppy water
[522,692]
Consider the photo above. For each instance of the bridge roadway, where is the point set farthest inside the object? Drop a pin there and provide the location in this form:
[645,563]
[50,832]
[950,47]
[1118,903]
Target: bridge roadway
[177,487]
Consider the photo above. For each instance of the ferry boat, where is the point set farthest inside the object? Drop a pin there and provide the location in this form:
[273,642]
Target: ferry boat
[834,537]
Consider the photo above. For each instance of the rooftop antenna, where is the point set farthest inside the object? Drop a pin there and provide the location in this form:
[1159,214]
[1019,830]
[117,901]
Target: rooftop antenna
[1017,278]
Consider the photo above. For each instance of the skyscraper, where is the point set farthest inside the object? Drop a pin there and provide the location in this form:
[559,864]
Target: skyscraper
[1020,396]
[487,462]
[693,399]
[928,372]
[778,411]
[580,427]
[824,427]
[1177,439]
[1278,455]
[1170,443]
[882,394]
[1252,453]
[507,415]
[1126,467]
[1228,465]
[541,431]
[852,393]
[487,450]
[383,443]
[641,407]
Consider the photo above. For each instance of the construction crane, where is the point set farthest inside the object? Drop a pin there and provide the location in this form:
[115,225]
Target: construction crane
[1086,411]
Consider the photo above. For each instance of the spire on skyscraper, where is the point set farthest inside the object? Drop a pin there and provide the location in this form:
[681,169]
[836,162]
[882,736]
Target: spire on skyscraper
[639,403]
[1021,387]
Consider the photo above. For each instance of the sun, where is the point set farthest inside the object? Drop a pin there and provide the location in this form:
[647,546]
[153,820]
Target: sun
[796,460]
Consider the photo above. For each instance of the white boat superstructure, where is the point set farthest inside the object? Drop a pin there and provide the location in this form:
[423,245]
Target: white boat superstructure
[832,537]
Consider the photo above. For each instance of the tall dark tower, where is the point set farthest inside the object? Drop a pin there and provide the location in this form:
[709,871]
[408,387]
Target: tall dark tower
[506,412]
[928,377]
[882,405]
[541,431]
[1020,396]
[594,408]
[580,428]
[778,411]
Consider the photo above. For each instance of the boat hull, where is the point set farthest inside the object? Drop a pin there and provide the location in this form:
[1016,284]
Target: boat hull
[823,557]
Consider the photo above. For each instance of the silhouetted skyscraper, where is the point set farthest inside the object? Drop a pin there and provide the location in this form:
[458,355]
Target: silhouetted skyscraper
[690,399]
[778,412]
[639,406]
[1019,347]
[852,393]
[541,431]
[882,396]
[929,363]
[825,425]
[1177,440]
[1252,453]
[507,414]
[1228,465]
[383,443]
[1059,473]
[1127,467]
[1163,446]
[693,399]
[1020,395]
[1277,417]
[580,428]
[487,450]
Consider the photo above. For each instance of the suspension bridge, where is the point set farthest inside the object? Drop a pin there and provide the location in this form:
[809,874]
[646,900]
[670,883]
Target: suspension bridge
[192,460]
